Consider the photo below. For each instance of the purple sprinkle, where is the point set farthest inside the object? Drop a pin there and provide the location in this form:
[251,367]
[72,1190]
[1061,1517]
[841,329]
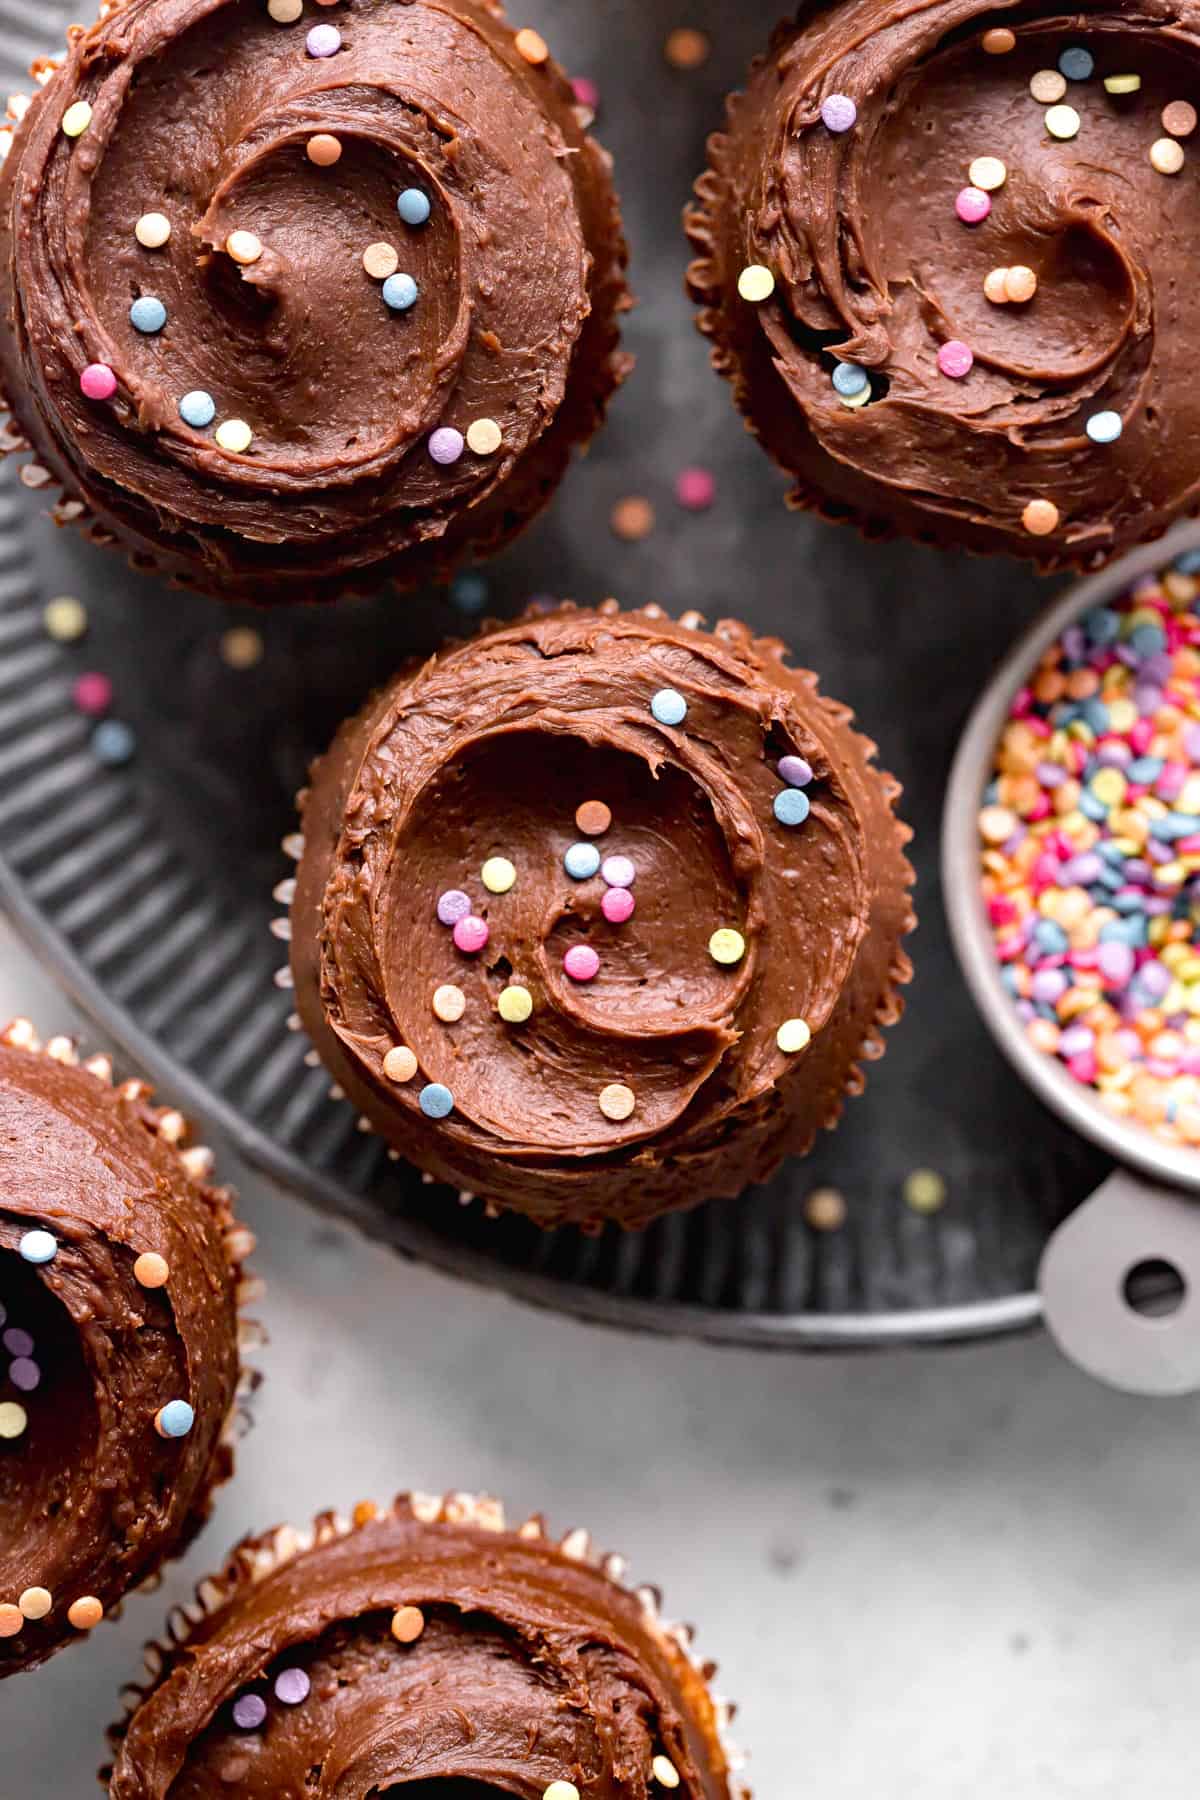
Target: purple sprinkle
[249,1710]
[1026,1011]
[618,871]
[1115,962]
[24,1374]
[1147,700]
[17,1342]
[1081,871]
[1074,643]
[795,771]
[324,40]
[446,445]
[1076,1040]
[1116,755]
[1048,986]
[453,905]
[1191,742]
[292,1686]
[1051,775]
[838,112]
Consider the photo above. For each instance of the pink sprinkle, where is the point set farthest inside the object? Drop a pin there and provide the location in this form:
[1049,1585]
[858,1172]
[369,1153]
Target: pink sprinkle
[956,359]
[1000,910]
[98,382]
[617,905]
[471,934]
[973,205]
[1187,846]
[581,962]
[695,489]
[1084,1066]
[93,694]
[586,93]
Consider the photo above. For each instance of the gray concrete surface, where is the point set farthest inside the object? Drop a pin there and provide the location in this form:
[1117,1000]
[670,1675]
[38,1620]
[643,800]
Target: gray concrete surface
[969,1573]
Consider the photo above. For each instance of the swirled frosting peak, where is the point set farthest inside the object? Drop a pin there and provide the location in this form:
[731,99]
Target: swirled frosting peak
[944,255]
[597,913]
[290,305]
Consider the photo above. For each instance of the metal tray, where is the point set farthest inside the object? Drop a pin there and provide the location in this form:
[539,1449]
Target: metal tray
[147,889]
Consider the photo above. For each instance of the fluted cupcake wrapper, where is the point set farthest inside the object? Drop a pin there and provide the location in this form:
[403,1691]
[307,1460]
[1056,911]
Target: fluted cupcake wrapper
[259,1556]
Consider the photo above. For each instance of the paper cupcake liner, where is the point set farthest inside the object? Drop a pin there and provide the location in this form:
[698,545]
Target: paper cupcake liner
[713,288]
[239,1243]
[890,1006]
[258,1556]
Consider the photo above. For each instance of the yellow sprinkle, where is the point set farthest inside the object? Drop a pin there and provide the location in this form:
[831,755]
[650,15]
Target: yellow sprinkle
[35,1602]
[515,1004]
[76,119]
[408,1622]
[1109,785]
[13,1419]
[997,824]
[995,286]
[1122,84]
[825,1209]
[234,435]
[65,619]
[484,437]
[1166,155]
[400,1065]
[561,1790]
[242,647]
[1122,714]
[497,874]
[988,173]
[793,1036]
[756,283]
[449,1003]
[665,1772]
[727,946]
[617,1101]
[244,247]
[1047,86]
[285,12]
[1062,122]
[152,230]
[855,402]
[925,1191]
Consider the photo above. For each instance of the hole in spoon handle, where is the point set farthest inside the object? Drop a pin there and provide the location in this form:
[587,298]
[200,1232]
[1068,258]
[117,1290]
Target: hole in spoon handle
[1120,1284]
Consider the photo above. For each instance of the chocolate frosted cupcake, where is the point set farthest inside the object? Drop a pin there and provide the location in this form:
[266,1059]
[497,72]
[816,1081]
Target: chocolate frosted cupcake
[942,257]
[597,914]
[295,300]
[119,1286]
[424,1645]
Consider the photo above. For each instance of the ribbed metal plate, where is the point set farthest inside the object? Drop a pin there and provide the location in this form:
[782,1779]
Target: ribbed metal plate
[148,889]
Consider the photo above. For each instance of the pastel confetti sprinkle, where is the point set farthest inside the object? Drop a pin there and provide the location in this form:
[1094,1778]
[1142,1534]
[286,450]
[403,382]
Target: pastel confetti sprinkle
[1063,122]
[85,1613]
[436,1100]
[323,40]
[13,1420]
[581,861]
[695,489]
[617,905]
[756,284]
[244,248]
[825,1209]
[471,934]
[1166,155]
[1040,518]
[668,707]
[249,1711]
[324,150]
[617,1102]
[285,12]
[1077,64]
[198,409]
[792,806]
[849,379]
[151,1270]
[532,46]
[152,230]
[408,1622]
[727,946]
[38,1247]
[174,1420]
[65,619]
[632,518]
[1047,86]
[514,1004]
[593,818]
[1179,118]
[925,1191]
[400,1065]
[400,293]
[93,694]
[380,261]
[581,963]
[1105,427]
[561,1790]
[11,1621]
[838,113]
[664,1772]
[999,41]
[453,905]
[235,436]
[446,445]
[148,315]
[1122,84]
[793,1036]
[484,437]
[241,647]
[35,1603]
[955,359]
[449,1003]
[618,871]
[24,1374]
[988,173]
[972,205]
[498,875]
[687,48]
[292,1686]
[469,592]
[113,743]
[76,119]
[795,770]
[98,382]
[18,1342]
[413,206]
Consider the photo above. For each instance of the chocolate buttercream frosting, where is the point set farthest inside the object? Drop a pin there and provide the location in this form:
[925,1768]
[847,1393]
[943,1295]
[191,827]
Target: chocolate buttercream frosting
[119,1283]
[873,266]
[356,399]
[424,1645]
[657,959]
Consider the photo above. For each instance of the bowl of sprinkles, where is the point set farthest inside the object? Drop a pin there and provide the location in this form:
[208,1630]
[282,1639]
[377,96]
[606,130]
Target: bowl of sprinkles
[1071,857]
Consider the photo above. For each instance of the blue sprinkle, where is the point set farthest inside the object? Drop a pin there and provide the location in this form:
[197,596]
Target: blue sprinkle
[1148,640]
[469,591]
[849,379]
[148,315]
[1091,808]
[38,1247]
[581,861]
[413,206]
[1077,64]
[198,410]
[668,707]
[1050,938]
[113,742]
[400,292]
[176,1419]
[1188,563]
[436,1100]
[1145,770]
[991,793]
[1105,427]
[1095,714]
[1102,625]
[1175,825]
[792,806]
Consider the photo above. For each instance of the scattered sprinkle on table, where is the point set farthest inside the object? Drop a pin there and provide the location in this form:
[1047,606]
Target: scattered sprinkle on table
[292,1687]
[793,1036]
[400,292]
[825,1209]
[988,173]
[1077,64]
[484,437]
[695,489]
[756,283]
[249,1711]
[323,40]
[498,875]
[514,1004]
[38,1247]
[581,861]
[632,518]
[1040,518]
[955,359]
[727,946]
[972,206]
[686,48]
[469,592]
[436,1100]
[380,260]
[400,1065]
[151,1270]
[665,1772]
[65,619]
[324,150]
[1062,122]
[471,935]
[1166,155]
[92,694]
[924,1191]
[617,1102]
[174,1420]
[413,206]
[198,409]
[85,1613]
[13,1420]
[244,247]
[669,707]
[449,1003]
[452,906]
[999,41]
[581,963]
[113,743]
[152,230]
[1179,118]
[234,435]
[76,119]
[446,445]
[408,1622]
[148,315]
[241,647]
[1047,86]
[617,904]
[838,113]
[285,12]
[593,818]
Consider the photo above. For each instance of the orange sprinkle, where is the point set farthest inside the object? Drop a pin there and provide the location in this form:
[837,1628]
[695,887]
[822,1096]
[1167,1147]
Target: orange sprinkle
[85,1613]
[364,1512]
[151,1270]
[532,46]
[593,818]
[408,1624]
[633,518]
[11,1621]
[687,48]
[1040,518]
